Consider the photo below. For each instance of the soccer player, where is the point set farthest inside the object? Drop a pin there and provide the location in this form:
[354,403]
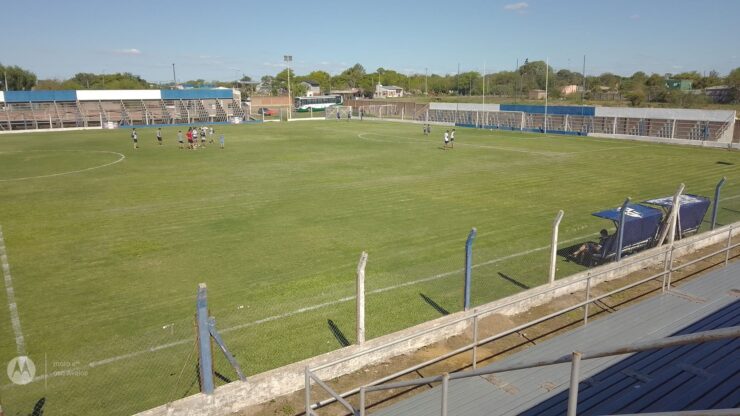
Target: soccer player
[179,138]
[190,137]
[447,138]
[135,138]
[349,115]
[203,136]
[221,140]
[195,137]
[339,115]
[426,132]
[210,134]
[159,136]
[452,138]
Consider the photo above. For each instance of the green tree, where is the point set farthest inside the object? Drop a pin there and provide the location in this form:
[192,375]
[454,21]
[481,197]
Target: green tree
[322,78]
[18,79]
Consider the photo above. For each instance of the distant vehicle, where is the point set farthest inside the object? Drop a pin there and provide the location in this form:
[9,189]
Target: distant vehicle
[318,102]
[267,111]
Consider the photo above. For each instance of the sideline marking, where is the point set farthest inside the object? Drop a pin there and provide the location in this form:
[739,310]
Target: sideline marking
[15,320]
[120,159]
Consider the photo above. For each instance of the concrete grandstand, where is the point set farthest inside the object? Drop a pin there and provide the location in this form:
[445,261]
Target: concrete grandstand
[26,110]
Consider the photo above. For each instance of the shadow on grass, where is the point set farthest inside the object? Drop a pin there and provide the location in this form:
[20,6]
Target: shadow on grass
[567,254]
[343,341]
[38,408]
[513,281]
[437,307]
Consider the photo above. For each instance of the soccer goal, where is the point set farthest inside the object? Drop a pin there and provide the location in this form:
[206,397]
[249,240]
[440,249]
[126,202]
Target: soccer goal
[338,111]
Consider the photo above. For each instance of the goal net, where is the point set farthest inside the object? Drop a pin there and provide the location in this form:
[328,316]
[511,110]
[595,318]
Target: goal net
[338,111]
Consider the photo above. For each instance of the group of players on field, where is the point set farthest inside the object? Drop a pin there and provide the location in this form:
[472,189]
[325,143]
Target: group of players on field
[449,136]
[192,137]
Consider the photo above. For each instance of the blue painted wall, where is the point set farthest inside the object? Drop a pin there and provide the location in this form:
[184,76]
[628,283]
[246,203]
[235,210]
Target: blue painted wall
[551,109]
[196,94]
[39,96]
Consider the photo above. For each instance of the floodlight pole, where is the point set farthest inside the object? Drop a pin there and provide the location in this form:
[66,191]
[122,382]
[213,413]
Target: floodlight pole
[554,248]
[468,266]
[716,200]
[288,59]
[174,77]
[483,110]
[622,218]
[547,78]
[426,81]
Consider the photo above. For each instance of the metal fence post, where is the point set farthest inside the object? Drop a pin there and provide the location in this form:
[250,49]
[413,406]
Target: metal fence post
[361,299]
[575,369]
[308,392]
[554,249]
[445,388]
[588,299]
[475,340]
[729,245]
[363,395]
[716,200]
[205,362]
[620,237]
[468,267]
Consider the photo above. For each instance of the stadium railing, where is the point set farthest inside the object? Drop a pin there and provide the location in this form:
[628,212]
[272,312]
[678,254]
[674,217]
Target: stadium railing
[575,358]
[672,258]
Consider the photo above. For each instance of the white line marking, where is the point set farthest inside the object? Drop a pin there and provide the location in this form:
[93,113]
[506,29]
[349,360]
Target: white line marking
[15,320]
[120,159]
[425,141]
[110,360]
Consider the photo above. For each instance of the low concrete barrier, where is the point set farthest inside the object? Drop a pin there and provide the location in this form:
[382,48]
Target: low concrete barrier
[263,387]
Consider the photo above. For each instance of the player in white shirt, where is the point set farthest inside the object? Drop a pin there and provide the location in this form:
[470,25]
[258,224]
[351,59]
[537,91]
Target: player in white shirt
[447,138]
[452,138]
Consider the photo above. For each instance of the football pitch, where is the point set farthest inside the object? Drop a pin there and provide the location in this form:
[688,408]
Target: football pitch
[105,244]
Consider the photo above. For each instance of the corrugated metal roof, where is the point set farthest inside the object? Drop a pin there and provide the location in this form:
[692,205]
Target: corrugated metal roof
[692,377]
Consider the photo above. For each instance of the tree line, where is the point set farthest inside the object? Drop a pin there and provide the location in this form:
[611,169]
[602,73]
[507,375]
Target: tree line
[638,88]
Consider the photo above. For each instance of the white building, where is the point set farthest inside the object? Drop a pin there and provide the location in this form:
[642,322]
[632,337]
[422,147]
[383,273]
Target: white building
[312,88]
[388,91]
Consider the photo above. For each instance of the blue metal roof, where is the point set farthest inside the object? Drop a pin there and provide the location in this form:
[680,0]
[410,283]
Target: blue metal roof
[634,212]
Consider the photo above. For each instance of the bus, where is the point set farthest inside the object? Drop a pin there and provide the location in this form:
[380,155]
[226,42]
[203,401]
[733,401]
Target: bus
[317,102]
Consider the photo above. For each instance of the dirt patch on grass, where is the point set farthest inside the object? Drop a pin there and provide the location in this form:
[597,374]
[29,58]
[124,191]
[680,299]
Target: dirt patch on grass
[293,404]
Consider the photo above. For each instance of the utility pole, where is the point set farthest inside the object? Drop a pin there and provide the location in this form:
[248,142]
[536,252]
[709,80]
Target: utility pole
[5,74]
[174,77]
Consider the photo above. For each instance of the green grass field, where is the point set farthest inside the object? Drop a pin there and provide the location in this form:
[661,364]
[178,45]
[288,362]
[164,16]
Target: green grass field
[106,244]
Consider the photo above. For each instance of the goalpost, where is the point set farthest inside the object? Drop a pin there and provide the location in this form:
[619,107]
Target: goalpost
[344,112]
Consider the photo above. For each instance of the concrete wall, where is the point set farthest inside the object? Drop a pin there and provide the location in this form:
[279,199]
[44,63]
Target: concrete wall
[281,101]
[666,113]
[724,144]
[263,387]
[464,106]
[115,95]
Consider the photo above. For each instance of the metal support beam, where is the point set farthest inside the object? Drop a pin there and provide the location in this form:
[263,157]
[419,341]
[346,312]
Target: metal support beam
[205,362]
[221,344]
[622,219]
[554,245]
[468,267]
[575,376]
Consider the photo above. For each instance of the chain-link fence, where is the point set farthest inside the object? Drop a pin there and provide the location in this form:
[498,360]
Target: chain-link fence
[152,364]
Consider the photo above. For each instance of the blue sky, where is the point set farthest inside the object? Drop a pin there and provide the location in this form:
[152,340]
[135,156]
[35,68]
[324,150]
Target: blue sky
[225,39]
